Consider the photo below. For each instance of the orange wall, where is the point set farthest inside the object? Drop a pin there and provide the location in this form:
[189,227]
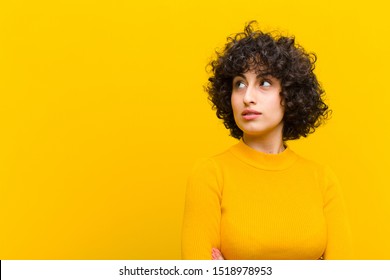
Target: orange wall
[102,115]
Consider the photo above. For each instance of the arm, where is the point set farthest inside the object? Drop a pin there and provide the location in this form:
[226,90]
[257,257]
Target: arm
[202,212]
[339,244]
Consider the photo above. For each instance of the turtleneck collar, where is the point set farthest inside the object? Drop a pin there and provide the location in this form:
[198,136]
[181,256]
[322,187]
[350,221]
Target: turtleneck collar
[262,160]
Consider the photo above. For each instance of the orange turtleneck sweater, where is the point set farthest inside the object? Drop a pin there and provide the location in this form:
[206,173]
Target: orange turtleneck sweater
[252,205]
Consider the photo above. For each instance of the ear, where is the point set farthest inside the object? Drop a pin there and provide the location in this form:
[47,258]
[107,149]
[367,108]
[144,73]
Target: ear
[282,101]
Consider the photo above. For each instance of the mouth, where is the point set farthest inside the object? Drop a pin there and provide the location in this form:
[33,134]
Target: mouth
[250,114]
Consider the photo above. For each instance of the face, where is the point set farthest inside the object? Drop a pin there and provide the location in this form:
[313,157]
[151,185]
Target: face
[256,104]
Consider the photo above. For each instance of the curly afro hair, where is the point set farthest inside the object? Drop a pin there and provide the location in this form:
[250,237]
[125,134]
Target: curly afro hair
[280,57]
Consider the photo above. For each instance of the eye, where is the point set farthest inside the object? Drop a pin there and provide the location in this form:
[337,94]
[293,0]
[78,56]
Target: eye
[265,83]
[239,84]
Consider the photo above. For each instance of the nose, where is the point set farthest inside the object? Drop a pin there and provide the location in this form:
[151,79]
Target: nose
[249,97]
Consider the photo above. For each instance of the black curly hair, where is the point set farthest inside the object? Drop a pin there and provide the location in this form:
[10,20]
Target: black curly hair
[280,57]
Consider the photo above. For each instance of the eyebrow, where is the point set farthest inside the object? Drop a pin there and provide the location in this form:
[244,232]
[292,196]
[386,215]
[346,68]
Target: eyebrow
[261,75]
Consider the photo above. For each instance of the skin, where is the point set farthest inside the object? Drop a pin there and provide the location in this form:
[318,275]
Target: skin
[216,254]
[262,94]
[263,133]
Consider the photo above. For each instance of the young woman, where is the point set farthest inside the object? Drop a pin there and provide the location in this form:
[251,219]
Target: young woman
[259,199]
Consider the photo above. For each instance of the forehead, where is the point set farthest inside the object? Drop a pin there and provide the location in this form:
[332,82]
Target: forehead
[256,73]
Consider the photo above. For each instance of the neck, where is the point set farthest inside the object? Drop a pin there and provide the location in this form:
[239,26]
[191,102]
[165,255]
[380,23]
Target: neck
[268,146]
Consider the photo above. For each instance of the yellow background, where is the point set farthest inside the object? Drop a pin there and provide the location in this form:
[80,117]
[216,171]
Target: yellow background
[103,114]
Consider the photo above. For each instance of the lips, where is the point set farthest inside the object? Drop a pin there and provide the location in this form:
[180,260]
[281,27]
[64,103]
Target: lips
[248,112]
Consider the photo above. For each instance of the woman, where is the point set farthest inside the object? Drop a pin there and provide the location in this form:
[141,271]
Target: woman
[259,199]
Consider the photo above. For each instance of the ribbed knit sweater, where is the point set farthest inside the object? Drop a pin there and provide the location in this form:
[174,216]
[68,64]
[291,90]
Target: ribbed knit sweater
[253,205]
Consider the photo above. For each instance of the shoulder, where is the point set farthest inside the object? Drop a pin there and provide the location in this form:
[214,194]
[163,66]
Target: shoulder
[211,164]
[322,168]
[208,171]
[205,172]
[203,165]
[324,172]
[327,180]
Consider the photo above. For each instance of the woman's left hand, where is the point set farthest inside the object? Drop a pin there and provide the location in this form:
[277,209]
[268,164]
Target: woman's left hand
[216,254]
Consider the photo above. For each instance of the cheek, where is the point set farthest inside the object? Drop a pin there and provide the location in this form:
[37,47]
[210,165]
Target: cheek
[281,111]
[278,108]
[234,103]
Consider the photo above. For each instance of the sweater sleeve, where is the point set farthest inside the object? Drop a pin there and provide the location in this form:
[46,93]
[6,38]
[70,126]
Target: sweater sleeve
[202,212]
[338,230]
